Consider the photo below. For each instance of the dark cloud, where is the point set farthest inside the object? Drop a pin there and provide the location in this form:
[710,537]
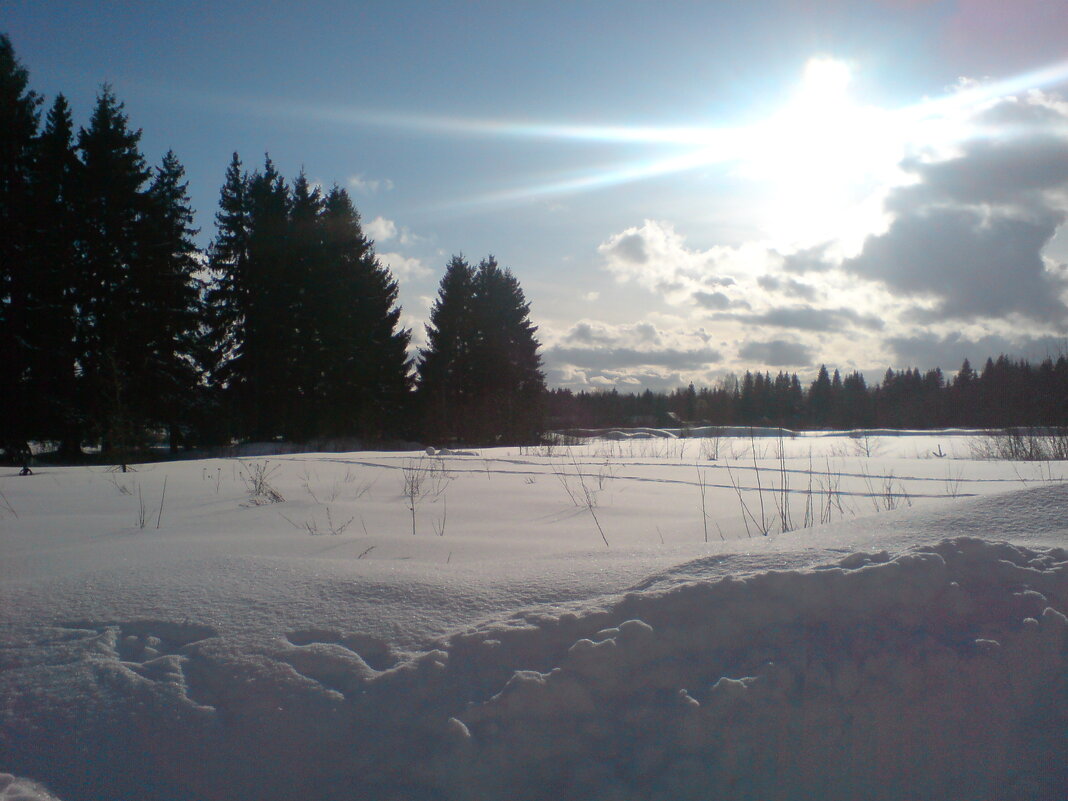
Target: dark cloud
[630,247]
[788,286]
[991,170]
[589,335]
[810,260]
[711,300]
[593,333]
[969,234]
[646,332]
[1014,115]
[975,264]
[927,351]
[808,318]
[620,358]
[776,353]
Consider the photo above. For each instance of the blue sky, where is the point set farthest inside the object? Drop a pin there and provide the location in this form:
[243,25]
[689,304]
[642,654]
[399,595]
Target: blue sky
[683,189]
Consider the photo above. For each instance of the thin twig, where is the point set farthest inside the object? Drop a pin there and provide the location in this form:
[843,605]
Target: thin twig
[159,517]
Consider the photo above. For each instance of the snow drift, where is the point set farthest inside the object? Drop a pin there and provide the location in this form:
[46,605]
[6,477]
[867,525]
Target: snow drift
[940,673]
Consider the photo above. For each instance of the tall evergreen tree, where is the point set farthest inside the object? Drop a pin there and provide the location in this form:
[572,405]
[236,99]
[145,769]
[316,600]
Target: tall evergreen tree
[303,353]
[266,396]
[248,302]
[113,207]
[228,296]
[305,316]
[57,179]
[19,119]
[168,308]
[821,399]
[511,386]
[446,368]
[480,375]
[365,374]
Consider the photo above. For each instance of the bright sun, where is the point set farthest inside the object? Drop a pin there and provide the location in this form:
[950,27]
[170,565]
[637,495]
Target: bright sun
[821,156]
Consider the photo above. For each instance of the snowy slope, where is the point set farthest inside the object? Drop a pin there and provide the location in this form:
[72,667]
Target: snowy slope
[240,650]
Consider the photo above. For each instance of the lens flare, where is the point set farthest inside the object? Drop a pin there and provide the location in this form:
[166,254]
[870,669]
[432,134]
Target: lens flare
[819,153]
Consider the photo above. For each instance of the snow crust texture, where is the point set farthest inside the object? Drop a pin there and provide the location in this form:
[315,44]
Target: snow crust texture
[938,674]
[14,788]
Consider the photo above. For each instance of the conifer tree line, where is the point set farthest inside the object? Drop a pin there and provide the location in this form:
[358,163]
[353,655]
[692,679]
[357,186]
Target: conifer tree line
[1005,393]
[302,319]
[115,327]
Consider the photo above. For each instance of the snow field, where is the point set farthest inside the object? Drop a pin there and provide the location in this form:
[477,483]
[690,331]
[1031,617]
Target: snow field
[241,650]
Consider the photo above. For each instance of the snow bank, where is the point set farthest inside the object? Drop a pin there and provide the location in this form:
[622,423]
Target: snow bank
[937,674]
[14,788]
[775,432]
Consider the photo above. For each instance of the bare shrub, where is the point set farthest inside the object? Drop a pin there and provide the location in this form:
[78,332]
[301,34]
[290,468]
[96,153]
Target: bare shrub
[424,478]
[1022,445]
[257,477]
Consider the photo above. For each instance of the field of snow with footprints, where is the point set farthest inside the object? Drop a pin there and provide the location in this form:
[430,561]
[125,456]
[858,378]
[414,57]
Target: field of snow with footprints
[632,615]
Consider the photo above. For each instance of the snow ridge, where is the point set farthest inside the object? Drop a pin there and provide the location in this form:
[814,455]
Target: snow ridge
[939,674]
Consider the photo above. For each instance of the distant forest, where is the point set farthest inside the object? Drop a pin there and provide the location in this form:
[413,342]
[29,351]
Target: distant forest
[1005,393]
[118,331]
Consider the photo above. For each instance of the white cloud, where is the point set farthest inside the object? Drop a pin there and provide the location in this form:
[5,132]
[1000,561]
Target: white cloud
[404,268]
[369,186]
[655,256]
[380,229]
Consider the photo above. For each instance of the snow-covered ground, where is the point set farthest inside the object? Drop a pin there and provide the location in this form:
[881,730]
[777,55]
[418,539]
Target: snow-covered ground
[621,619]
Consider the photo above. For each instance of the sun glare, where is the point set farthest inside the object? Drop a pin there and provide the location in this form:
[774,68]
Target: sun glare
[826,82]
[820,165]
[820,157]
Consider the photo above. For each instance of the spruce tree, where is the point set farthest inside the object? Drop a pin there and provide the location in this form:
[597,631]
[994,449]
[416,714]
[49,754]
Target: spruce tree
[480,376]
[57,179]
[168,308]
[114,203]
[304,316]
[365,372]
[513,399]
[248,303]
[821,399]
[446,369]
[228,298]
[303,352]
[266,394]
[19,120]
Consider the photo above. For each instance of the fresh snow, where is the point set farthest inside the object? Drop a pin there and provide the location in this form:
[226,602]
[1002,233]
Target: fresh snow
[910,643]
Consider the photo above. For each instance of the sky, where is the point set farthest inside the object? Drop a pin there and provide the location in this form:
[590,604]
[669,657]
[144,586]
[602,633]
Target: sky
[684,190]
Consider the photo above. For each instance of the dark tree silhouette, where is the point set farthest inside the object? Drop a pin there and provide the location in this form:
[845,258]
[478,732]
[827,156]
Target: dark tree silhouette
[57,182]
[480,375]
[168,305]
[113,209]
[364,377]
[447,382]
[229,296]
[19,119]
[306,324]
